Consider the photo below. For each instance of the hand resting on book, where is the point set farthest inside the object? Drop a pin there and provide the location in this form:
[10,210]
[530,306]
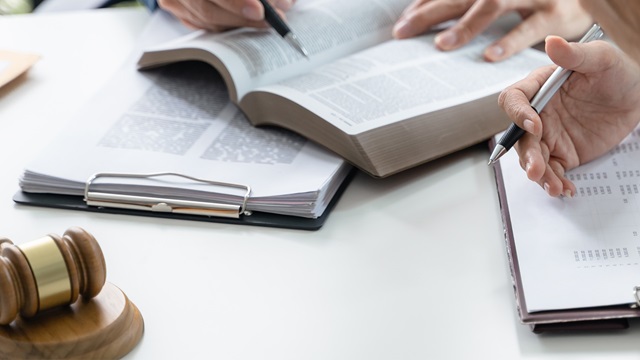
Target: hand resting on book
[219,15]
[540,18]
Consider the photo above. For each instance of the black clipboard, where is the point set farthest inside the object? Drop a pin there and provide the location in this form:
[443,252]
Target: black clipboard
[256,218]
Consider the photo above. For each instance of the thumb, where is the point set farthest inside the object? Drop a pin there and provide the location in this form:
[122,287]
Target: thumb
[580,57]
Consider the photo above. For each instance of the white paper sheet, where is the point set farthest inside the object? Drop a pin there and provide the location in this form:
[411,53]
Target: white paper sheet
[179,119]
[583,251]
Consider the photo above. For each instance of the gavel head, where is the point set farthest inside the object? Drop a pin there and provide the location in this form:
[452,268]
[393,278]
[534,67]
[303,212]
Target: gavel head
[49,272]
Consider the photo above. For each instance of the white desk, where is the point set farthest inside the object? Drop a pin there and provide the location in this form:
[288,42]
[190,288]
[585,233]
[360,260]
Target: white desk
[410,267]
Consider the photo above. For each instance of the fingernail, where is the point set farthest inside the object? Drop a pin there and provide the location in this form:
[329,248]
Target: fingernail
[528,125]
[494,52]
[568,194]
[526,167]
[252,13]
[446,40]
[546,187]
[402,29]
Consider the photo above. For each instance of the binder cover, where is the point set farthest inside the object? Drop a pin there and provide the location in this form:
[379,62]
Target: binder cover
[256,218]
[593,319]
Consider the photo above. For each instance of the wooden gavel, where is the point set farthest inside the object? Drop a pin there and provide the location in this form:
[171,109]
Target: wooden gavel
[49,272]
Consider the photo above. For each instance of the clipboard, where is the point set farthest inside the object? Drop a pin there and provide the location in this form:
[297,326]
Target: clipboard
[182,210]
[558,321]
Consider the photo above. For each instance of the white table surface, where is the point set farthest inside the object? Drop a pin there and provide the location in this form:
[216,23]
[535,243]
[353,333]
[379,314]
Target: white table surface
[409,267]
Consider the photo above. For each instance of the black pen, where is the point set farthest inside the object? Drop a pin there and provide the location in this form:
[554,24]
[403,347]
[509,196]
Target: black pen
[276,22]
[542,97]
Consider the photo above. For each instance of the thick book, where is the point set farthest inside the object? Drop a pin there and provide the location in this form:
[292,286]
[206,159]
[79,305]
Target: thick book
[384,105]
[169,143]
[575,262]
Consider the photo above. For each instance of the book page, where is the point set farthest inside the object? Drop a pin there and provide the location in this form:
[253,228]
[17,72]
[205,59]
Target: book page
[400,79]
[179,119]
[328,29]
[584,251]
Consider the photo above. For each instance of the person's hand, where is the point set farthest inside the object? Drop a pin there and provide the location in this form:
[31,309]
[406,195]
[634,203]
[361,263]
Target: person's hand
[219,15]
[620,20]
[564,18]
[591,113]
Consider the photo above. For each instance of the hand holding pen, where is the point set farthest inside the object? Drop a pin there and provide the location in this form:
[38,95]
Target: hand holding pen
[540,100]
[587,118]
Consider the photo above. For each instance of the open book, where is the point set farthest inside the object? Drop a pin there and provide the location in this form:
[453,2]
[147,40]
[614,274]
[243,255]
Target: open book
[575,260]
[179,120]
[384,105]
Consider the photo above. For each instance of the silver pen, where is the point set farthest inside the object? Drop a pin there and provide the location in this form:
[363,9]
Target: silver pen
[540,100]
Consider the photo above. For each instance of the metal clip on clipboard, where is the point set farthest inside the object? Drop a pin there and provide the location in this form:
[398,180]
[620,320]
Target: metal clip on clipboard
[159,204]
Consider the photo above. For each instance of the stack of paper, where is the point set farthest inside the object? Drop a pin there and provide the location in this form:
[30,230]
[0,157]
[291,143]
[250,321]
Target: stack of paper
[179,120]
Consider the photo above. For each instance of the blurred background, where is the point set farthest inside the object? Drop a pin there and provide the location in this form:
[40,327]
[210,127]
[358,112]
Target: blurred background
[9,7]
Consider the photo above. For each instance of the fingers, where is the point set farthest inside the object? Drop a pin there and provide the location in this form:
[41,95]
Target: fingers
[534,153]
[475,17]
[250,9]
[284,5]
[478,18]
[421,15]
[412,7]
[532,160]
[217,15]
[580,57]
[568,188]
[556,184]
[515,100]
[205,14]
[541,168]
[529,32]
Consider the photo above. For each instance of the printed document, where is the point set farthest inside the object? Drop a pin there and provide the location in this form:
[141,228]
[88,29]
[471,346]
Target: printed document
[583,251]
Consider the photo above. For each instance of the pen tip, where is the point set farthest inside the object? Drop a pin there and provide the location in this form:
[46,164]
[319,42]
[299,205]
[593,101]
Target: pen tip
[293,40]
[497,153]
